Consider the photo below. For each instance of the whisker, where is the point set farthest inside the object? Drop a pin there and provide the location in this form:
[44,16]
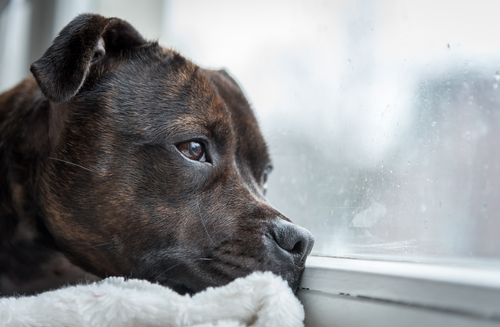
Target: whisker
[94,246]
[204,259]
[203,223]
[167,270]
[74,164]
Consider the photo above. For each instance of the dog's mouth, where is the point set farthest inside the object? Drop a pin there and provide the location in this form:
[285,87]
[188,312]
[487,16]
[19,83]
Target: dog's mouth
[189,270]
[191,286]
[184,289]
[185,278]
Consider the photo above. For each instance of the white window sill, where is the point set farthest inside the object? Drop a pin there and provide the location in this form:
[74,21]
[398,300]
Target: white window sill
[350,292]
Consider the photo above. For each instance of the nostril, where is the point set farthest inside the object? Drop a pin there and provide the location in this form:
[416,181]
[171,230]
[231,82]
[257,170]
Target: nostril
[297,248]
[293,239]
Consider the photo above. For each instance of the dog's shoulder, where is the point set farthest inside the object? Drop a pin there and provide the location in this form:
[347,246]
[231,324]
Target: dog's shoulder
[23,126]
[23,139]
[28,262]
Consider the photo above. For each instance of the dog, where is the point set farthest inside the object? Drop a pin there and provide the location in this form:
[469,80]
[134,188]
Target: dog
[120,157]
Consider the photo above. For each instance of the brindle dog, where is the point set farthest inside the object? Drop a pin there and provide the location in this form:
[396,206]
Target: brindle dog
[129,160]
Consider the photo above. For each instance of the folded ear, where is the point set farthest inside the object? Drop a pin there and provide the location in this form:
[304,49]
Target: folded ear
[62,70]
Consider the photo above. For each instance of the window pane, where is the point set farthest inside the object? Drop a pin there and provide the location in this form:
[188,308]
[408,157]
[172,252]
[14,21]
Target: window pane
[382,118]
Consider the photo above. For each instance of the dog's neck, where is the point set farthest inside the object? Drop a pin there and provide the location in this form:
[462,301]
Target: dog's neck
[23,143]
[29,260]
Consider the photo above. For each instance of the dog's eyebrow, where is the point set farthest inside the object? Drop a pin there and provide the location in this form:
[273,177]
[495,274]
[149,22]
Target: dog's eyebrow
[74,164]
[194,126]
[185,125]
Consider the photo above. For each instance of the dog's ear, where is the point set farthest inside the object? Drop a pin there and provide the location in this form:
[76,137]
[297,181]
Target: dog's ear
[63,68]
[224,73]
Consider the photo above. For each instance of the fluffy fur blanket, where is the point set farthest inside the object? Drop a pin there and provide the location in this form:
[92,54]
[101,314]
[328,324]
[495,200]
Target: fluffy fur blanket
[260,299]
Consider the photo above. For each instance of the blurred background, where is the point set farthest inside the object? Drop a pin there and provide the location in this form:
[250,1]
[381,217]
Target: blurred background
[382,117]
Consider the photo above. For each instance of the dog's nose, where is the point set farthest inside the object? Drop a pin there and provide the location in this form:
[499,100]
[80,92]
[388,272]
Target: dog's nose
[294,239]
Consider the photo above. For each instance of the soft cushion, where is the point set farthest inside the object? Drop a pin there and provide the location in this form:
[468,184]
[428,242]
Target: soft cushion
[260,299]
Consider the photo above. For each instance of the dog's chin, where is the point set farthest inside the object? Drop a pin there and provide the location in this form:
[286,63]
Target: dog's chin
[182,289]
[193,286]
[190,287]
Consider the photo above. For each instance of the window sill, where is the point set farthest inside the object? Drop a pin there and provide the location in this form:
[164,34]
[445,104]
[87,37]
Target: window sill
[351,292]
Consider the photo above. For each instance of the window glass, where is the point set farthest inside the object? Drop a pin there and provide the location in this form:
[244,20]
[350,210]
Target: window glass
[382,117]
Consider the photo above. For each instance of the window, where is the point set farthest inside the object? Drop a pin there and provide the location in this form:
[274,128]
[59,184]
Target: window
[383,121]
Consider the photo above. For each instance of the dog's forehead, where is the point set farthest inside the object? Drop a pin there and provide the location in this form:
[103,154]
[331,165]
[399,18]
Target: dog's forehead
[164,94]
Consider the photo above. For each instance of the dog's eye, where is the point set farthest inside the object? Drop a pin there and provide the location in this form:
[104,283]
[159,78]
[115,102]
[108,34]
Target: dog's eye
[193,150]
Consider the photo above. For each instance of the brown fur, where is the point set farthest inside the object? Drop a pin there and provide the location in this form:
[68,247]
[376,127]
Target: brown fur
[89,168]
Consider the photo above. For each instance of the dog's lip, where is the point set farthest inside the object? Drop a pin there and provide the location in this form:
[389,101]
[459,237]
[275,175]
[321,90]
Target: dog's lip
[190,276]
[302,267]
[183,288]
[180,288]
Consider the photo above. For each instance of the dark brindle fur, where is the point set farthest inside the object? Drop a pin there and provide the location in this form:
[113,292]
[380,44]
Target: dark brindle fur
[90,168]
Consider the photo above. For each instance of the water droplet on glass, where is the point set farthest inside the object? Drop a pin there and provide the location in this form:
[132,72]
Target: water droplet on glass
[497,76]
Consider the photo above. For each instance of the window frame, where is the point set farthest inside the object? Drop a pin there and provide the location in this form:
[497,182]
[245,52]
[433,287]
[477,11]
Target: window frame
[354,292]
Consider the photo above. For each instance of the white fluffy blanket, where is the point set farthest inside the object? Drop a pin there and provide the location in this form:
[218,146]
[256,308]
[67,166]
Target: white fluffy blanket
[260,299]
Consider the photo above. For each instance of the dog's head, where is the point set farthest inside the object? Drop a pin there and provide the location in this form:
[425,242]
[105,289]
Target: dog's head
[157,168]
